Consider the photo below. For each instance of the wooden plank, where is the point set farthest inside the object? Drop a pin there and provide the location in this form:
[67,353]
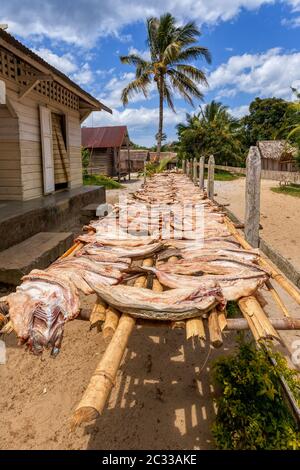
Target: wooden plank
[252,206]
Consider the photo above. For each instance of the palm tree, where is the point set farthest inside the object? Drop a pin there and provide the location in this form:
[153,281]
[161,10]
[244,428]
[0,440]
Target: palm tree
[211,131]
[171,49]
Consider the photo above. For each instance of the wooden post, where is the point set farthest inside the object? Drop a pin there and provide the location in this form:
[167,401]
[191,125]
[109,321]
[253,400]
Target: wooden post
[252,208]
[128,161]
[210,177]
[145,177]
[183,165]
[195,171]
[188,168]
[201,172]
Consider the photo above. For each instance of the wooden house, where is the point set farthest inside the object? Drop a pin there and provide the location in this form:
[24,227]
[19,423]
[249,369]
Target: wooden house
[41,111]
[277,155]
[109,149]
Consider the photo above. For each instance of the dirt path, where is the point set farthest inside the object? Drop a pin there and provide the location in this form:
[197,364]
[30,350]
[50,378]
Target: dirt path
[279,215]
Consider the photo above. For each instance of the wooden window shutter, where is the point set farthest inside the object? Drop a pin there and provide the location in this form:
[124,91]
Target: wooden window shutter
[47,151]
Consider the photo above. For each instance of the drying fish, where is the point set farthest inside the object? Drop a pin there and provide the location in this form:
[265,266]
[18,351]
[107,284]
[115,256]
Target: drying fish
[138,252]
[218,266]
[39,309]
[176,304]
[233,287]
[125,241]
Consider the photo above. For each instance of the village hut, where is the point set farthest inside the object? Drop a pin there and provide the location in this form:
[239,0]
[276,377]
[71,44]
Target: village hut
[41,112]
[105,145]
[277,155]
[139,156]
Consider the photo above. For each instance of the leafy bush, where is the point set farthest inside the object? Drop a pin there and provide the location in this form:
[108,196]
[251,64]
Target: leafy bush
[252,413]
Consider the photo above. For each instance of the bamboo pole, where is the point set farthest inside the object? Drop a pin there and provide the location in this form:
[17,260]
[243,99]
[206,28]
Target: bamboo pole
[257,318]
[195,328]
[214,329]
[222,320]
[3,320]
[112,317]
[277,323]
[98,314]
[282,281]
[93,401]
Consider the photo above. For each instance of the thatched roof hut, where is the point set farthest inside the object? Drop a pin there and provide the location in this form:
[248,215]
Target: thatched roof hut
[277,155]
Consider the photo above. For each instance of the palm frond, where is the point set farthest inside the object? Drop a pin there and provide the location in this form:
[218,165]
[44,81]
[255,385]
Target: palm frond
[134,59]
[188,34]
[193,53]
[136,86]
[192,72]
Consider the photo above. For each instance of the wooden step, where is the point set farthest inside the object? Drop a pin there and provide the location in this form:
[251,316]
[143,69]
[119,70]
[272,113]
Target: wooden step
[36,252]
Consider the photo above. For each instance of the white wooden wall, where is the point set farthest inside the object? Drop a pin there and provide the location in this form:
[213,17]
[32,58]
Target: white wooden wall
[25,163]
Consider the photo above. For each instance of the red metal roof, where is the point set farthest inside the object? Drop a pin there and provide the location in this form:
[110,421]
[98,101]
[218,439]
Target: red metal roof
[102,137]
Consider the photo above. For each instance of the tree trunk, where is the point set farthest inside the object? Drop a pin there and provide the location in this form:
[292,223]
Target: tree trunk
[160,120]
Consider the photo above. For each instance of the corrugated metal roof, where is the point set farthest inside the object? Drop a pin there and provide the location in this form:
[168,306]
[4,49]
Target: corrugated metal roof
[102,137]
[276,149]
[8,38]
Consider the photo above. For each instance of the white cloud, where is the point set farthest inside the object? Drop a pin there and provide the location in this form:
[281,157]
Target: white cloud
[83,21]
[84,76]
[267,74]
[239,111]
[144,54]
[65,63]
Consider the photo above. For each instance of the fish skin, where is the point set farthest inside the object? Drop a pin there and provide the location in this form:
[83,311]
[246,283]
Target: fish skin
[137,252]
[173,305]
[232,287]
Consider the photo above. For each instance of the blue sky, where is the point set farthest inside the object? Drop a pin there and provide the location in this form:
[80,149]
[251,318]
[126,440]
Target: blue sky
[254,44]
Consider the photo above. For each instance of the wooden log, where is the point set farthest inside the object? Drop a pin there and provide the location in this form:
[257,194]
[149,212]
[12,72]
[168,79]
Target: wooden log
[252,206]
[257,318]
[282,281]
[277,323]
[195,328]
[201,172]
[211,177]
[222,320]
[98,314]
[183,165]
[112,317]
[103,379]
[214,329]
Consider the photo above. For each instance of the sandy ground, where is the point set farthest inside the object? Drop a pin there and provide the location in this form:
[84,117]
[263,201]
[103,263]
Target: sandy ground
[163,397]
[279,215]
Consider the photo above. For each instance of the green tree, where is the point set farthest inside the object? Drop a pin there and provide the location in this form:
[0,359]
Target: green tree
[212,131]
[266,119]
[171,48]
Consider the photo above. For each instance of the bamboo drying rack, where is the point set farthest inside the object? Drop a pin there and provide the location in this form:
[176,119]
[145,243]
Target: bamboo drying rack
[117,327]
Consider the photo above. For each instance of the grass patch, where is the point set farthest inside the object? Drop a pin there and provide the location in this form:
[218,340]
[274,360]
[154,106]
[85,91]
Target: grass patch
[222,175]
[290,190]
[101,180]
